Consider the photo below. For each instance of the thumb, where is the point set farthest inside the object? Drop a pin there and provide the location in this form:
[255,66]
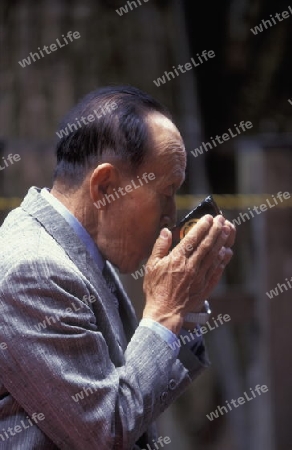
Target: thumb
[162,245]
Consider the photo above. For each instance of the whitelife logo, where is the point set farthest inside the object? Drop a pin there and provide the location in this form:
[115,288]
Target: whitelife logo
[182,68]
[110,197]
[158,444]
[241,400]
[35,417]
[199,331]
[263,207]
[124,9]
[56,318]
[140,272]
[146,269]
[96,114]
[274,292]
[270,23]
[9,160]
[221,139]
[53,47]
[3,346]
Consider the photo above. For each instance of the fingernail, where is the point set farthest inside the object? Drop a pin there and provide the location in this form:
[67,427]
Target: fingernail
[209,218]
[225,233]
[221,220]
[222,252]
[164,233]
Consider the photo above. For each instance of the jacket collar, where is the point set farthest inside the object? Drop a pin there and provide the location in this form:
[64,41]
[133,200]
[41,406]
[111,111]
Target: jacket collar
[38,207]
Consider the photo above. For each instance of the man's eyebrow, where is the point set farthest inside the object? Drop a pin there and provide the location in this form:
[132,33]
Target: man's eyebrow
[179,178]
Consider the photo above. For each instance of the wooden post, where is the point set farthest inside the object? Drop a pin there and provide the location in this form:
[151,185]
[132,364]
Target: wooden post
[267,170]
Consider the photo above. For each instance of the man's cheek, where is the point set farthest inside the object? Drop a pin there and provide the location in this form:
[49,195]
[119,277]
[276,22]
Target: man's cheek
[154,236]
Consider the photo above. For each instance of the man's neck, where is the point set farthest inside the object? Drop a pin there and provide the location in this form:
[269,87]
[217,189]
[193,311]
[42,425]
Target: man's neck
[77,203]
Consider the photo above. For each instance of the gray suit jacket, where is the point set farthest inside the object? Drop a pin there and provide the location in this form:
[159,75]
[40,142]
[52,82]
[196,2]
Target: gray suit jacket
[75,361]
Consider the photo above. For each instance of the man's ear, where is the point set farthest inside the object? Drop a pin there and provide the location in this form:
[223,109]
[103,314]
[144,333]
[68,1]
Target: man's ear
[103,180]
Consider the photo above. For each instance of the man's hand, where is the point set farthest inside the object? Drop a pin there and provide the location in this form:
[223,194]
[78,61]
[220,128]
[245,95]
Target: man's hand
[178,282]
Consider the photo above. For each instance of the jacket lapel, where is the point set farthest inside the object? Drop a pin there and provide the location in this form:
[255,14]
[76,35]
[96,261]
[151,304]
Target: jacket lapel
[126,310]
[37,206]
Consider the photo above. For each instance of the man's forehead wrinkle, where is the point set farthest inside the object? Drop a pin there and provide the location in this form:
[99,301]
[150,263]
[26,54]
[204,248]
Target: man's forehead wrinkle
[175,145]
[171,146]
[180,156]
[177,157]
[168,152]
[167,142]
[177,176]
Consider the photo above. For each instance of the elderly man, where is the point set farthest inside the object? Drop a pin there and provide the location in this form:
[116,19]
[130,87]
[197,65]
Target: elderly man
[77,370]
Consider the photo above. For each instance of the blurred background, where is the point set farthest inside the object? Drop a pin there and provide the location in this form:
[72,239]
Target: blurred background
[249,79]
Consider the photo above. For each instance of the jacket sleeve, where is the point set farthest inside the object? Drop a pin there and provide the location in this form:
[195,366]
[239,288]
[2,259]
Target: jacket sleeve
[62,368]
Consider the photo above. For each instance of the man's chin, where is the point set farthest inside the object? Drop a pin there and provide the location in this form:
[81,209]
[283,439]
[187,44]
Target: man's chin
[128,267]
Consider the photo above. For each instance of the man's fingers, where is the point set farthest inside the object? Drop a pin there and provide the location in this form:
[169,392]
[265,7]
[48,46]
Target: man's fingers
[220,262]
[217,250]
[161,246]
[227,257]
[213,281]
[210,246]
[232,235]
[194,237]
[216,271]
